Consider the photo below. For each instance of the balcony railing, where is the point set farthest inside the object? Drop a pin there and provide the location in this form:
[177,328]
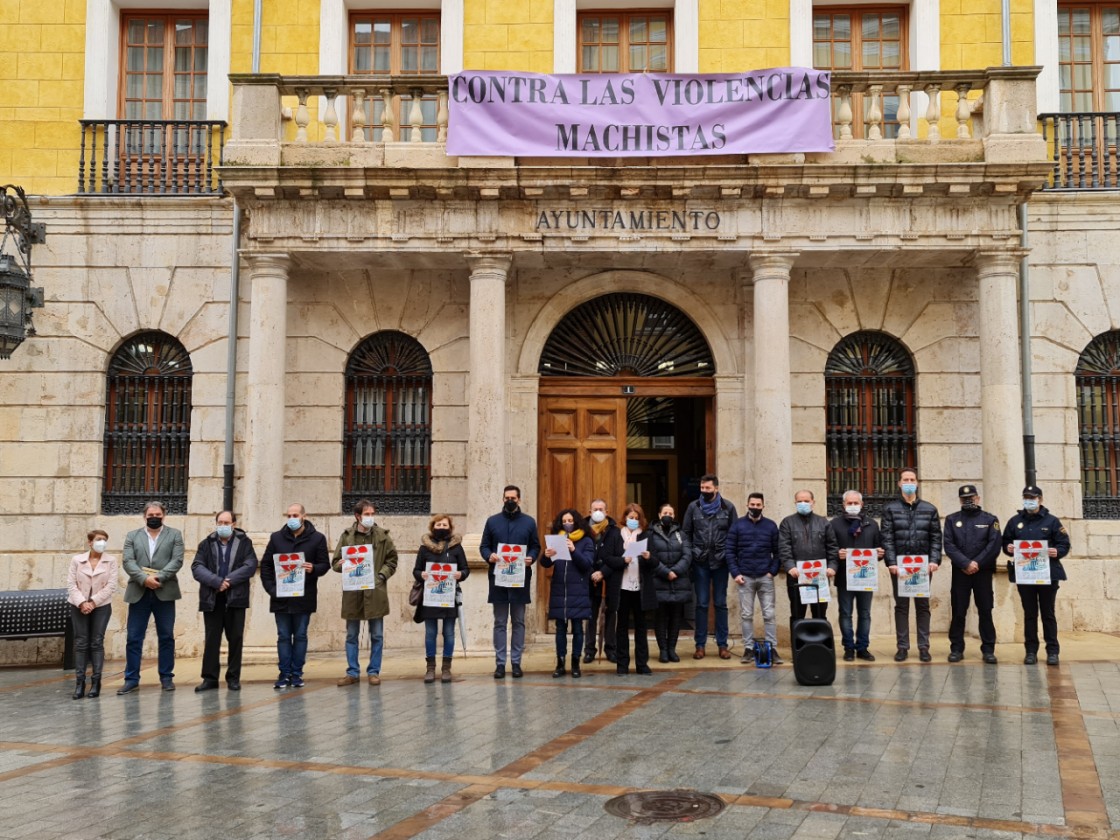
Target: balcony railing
[151,157]
[1084,150]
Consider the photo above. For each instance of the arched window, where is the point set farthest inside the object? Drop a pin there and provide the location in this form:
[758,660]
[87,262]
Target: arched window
[1097,382]
[147,425]
[869,400]
[387,441]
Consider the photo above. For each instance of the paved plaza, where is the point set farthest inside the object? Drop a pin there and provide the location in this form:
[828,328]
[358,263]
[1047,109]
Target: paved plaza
[906,751]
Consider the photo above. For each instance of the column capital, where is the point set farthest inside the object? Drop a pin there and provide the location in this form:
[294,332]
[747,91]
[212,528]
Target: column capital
[271,262]
[490,264]
[770,265]
[998,260]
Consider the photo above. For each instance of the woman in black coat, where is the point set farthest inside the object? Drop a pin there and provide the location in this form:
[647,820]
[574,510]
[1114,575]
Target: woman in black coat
[441,546]
[671,580]
[568,597]
[635,592]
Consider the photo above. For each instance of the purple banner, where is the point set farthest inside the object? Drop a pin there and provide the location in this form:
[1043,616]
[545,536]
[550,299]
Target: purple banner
[786,109]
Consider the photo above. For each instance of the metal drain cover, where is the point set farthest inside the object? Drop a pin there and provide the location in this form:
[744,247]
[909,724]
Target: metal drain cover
[665,806]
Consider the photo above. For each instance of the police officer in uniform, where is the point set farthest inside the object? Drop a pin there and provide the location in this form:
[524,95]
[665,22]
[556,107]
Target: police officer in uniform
[1035,522]
[972,541]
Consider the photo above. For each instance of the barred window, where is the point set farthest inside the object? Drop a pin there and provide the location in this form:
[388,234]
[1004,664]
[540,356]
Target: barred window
[869,399]
[1097,382]
[387,440]
[147,425]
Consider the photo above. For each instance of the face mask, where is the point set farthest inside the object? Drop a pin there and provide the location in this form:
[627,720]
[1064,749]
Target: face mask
[155,522]
[1030,505]
[632,524]
[909,489]
[441,534]
[598,516]
[967,506]
[666,521]
[294,523]
[510,505]
[569,527]
[99,545]
[804,508]
[225,531]
[707,497]
[754,513]
[852,510]
[367,521]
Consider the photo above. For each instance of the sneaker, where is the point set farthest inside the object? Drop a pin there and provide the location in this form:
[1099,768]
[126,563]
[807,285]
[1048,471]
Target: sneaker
[900,655]
[849,655]
[281,682]
[748,657]
[865,655]
[775,659]
[297,682]
[955,656]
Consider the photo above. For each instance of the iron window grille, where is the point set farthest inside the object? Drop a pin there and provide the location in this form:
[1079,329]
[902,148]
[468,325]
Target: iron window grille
[1097,382]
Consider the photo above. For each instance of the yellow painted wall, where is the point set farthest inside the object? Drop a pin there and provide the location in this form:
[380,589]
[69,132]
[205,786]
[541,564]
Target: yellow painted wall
[737,35]
[41,77]
[508,35]
[971,33]
[289,37]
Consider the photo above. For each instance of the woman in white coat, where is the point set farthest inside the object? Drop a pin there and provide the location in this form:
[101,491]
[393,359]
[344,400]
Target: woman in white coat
[90,585]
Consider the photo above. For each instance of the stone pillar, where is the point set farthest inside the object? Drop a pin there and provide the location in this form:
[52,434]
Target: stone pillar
[772,420]
[262,489]
[488,445]
[1001,418]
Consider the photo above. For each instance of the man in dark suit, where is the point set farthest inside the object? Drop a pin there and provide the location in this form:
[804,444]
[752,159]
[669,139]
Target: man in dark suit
[152,558]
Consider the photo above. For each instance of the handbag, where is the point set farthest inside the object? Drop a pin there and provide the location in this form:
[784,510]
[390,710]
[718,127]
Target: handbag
[416,594]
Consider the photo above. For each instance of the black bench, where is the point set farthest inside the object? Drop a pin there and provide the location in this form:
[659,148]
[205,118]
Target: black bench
[38,614]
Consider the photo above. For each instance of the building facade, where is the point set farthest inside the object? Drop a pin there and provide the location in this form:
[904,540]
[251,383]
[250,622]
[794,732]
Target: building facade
[423,329]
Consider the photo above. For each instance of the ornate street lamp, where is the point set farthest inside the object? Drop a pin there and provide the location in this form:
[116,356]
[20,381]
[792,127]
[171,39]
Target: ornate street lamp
[17,296]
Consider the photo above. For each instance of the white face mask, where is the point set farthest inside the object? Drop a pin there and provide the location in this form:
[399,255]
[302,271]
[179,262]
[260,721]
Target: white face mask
[99,545]
[598,516]
[852,510]
[367,521]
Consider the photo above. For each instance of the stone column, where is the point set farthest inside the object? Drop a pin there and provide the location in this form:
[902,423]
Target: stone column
[262,489]
[488,445]
[1001,418]
[772,421]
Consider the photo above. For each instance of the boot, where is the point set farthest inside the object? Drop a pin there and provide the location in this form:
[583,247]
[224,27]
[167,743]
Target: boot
[576,673]
[430,674]
[559,672]
[97,659]
[445,674]
[94,687]
[79,688]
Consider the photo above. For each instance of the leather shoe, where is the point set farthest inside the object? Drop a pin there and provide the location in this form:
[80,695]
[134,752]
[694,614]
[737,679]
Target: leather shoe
[644,670]
[865,655]
[1051,659]
[990,659]
[233,685]
[900,655]
[724,653]
[517,672]
[955,656]
[347,680]
[700,653]
[849,655]
[128,688]
[373,679]
[621,671]
[663,657]
[923,655]
[1030,659]
[500,672]
[588,658]
[205,685]
[167,685]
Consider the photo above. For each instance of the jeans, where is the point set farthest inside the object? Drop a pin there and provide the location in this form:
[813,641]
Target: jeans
[431,628]
[562,638]
[902,619]
[964,589]
[291,642]
[149,606]
[376,644]
[764,588]
[89,638]
[862,603]
[1039,599]
[502,615]
[709,583]
[231,621]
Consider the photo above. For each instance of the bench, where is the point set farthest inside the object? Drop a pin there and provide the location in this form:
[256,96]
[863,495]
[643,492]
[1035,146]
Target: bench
[38,614]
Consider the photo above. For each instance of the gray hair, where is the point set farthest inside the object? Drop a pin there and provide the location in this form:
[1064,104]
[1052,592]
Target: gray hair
[151,505]
[848,493]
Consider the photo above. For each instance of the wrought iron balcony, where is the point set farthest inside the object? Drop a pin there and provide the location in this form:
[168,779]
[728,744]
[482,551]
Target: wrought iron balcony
[1083,147]
[151,157]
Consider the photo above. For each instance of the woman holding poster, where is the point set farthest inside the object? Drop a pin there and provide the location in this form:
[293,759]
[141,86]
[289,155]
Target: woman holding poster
[440,564]
[569,598]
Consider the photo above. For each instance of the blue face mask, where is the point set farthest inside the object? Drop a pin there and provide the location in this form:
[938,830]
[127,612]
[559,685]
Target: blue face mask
[804,508]
[909,489]
[632,524]
[294,523]
[225,531]
[1030,505]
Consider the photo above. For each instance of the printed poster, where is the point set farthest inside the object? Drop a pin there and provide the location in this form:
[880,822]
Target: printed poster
[862,572]
[509,570]
[1032,562]
[813,572]
[290,574]
[439,585]
[913,576]
[357,568]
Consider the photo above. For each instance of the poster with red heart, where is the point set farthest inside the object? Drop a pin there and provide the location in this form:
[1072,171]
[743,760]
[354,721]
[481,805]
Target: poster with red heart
[357,568]
[290,574]
[814,572]
[439,585]
[862,573]
[913,576]
[1032,562]
[509,569]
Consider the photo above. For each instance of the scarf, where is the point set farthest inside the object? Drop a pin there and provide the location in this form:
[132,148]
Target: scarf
[575,536]
[711,508]
[855,527]
[597,528]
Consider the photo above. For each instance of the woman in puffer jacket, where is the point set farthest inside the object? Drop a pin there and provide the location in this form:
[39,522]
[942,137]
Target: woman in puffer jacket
[569,600]
[674,588]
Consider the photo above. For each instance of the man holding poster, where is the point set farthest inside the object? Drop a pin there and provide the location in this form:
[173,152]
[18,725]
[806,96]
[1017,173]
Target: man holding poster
[972,544]
[860,548]
[510,540]
[365,554]
[806,536]
[294,559]
[1040,530]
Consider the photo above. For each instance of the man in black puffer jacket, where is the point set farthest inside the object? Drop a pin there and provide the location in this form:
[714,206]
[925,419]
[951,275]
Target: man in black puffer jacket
[910,526]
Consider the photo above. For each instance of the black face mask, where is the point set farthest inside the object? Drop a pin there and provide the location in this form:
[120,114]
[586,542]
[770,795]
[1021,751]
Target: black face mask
[754,513]
[155,522]
[666,522]
[970,506]
[441,534]
[707,497]
[510,506]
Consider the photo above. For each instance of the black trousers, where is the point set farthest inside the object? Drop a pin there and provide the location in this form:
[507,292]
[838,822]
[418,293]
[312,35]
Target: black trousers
[231,622]
[597,604]
[1039,599]
[965,588]
[630,607]
[89,638]
[667,628]
[797,610]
